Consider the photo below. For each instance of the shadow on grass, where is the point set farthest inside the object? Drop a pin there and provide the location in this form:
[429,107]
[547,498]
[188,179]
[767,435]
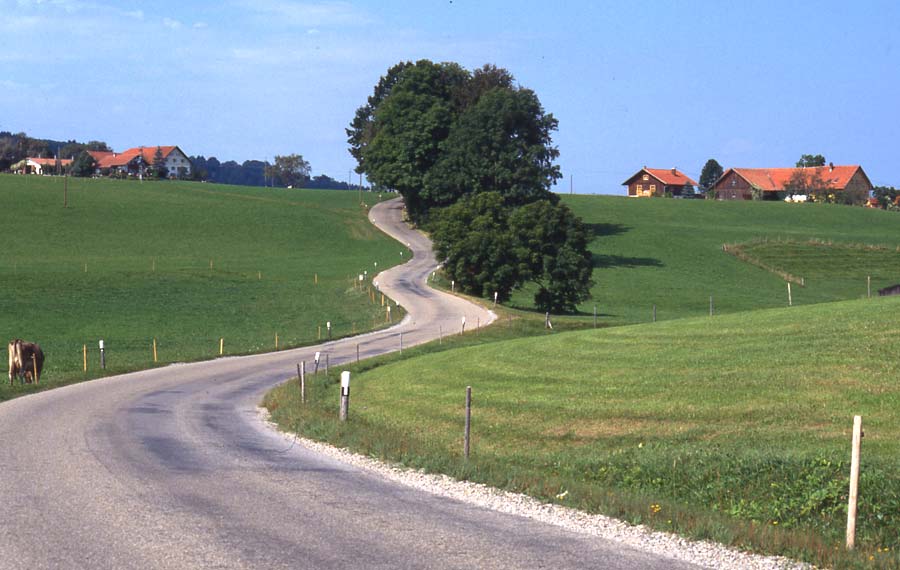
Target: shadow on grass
[603,230]
[607,261]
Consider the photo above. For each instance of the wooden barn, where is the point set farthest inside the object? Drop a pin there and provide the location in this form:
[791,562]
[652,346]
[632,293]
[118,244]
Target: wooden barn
[771,183]
[648,182]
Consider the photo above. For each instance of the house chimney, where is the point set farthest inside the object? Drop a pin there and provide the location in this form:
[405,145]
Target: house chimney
[830,167]
[674,172]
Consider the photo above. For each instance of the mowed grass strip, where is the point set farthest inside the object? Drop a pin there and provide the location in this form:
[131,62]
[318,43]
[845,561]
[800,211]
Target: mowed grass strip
[668,253]
[184,263]
[735,428]
[831,269]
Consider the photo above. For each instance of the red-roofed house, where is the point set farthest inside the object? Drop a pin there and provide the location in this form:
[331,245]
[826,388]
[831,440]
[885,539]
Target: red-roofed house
[137,160]
[772,183]
[658,182]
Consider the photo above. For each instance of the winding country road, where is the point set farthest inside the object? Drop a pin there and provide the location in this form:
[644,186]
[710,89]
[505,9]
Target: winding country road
[172,468]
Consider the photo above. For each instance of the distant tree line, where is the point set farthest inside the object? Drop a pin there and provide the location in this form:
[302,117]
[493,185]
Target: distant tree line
[290,170]
[15,147]
[472,155]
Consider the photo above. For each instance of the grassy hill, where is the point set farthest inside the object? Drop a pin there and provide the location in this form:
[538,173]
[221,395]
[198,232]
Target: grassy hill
[734,428]
[185,263]
[669,253]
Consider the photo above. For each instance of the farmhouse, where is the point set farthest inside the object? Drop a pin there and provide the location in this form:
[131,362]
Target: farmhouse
[776,183]
[39,165]
[659,182]
[137,160]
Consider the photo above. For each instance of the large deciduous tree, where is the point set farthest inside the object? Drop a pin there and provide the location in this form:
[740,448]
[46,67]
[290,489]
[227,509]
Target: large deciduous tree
[554,242]
[500,144]
[473,157]
[472,237]
[407,128]
[291,170]
[488,247]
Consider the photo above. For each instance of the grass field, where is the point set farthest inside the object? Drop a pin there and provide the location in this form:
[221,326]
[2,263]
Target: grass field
[669,253]
[185,263]
[734,428]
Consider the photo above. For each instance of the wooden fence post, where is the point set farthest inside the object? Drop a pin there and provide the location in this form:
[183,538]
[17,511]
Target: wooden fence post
[84,355]
[468,429]
[221,346]
[854,482]
[154,350]
[790,298]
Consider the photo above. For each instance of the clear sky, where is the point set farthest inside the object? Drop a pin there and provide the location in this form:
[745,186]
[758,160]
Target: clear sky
[633,83]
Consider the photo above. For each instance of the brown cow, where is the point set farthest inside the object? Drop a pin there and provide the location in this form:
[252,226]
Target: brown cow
[25,359]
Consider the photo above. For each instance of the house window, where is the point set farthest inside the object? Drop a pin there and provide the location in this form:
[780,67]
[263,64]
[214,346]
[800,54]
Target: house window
[646,177]
[652,188]
[640,188]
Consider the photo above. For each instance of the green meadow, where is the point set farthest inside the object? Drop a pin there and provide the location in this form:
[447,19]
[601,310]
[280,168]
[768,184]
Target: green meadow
[668,253]
[734,428]
[184,263]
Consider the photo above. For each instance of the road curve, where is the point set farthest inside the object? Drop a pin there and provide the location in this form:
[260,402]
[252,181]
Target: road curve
[172,468]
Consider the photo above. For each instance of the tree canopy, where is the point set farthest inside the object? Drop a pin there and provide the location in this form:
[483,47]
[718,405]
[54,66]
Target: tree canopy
[811,160]
[290,170]
[473,157]
[711,172]
[84,164]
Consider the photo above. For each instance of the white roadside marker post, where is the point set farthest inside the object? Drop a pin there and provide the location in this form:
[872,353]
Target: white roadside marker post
[301,374]
[345,395]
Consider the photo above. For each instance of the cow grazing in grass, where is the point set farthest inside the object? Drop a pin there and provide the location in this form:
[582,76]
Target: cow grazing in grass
[26,360]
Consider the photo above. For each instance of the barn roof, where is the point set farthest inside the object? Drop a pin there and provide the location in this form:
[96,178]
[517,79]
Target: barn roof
[775,179]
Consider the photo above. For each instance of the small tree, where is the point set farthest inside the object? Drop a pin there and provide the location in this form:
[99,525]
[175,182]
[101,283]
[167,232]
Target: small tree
[83,165]
[159,164]
[711,172]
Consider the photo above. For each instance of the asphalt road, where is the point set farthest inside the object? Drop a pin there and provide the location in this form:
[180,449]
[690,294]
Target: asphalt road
[172,468]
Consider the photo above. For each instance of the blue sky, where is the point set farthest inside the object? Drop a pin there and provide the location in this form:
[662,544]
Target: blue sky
[662,84]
